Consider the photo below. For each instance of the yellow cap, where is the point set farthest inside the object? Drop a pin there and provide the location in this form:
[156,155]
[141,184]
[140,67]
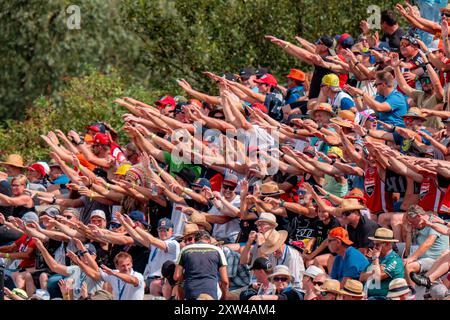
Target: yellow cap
[337,151]
[331,80]
[123,169]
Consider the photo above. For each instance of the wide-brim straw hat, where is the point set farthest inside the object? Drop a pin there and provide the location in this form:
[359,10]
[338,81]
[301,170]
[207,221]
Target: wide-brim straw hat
[397,288]
[270,189]
[330,285]
[281,270]
[383,235]
[14,160]
[200,220]
[190,229]
[353,288]
[349,205]
[273,241]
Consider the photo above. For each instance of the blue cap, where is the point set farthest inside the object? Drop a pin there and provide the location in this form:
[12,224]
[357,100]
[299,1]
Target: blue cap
[138,216]
[165,223]
[202,182]
[90,248]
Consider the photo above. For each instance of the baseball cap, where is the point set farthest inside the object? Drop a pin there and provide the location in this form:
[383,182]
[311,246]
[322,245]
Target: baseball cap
[164,101]
[138,216]
[165,223]
[30,217]
[98,213]
[331,80]
[267,79]
[102,139]
[328,42]
[230,179]
[262,263]
[179,107]
[91,249]
[97,127]
[313,271]
[261,71]
[341,234]
[246,72]
[202,182]
[123,169]
[346,41]
[51,212]
[38,168]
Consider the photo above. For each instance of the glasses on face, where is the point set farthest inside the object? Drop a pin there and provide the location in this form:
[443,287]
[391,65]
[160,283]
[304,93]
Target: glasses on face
[162,229]
[197,190]
[425,81]
[346,214]
[115,225]
[220,118]
[189,239]
[319,283]
[280,279]
[227,187]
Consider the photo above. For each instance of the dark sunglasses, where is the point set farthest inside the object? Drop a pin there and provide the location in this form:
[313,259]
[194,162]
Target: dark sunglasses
[405,43]
[282,279]
[346,214]
[227,187]
[197,190]
[189,239]
[115,225]
[319,283]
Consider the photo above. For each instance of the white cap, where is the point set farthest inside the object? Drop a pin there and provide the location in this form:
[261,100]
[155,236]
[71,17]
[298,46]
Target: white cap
[313,271]
[45,166]
[98,213]
[269,218]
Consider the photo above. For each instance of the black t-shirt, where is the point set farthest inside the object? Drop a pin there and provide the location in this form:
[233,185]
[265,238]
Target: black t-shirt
[316,81]
[301,229]
[274,102]
[393,39]
[290,294]
[395,182]
[322,229]
[51,246]
[246,227]
[359,235]
[443,182]
[102,255]
[5,189]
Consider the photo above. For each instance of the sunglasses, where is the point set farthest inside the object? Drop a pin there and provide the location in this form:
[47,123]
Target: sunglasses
[346,214]
[425,81]
[197,190]
[405,43]
[319,283]
[115,225]
[227,187]
[324,293]
[163,229]
[282,279]
[189,239]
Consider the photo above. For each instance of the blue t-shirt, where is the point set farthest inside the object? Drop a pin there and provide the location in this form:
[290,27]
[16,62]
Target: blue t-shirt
[63,179]
[349,266]
[399,107]
[293,94]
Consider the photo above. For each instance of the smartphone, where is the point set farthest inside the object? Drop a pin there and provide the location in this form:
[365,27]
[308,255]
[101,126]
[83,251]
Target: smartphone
[251,189]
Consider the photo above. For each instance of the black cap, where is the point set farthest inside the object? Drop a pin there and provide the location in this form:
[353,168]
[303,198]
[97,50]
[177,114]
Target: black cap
[328,41]
[246,72]
[261,71]
[262,264]
[187,174]
[179,106]
[230,76]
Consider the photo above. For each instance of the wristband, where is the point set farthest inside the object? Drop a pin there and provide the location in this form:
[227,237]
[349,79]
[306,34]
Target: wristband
[357,62]
[287,45]
[7,255]
[80,167]
[152,136]
[282,204]
[108,186]
[54,200]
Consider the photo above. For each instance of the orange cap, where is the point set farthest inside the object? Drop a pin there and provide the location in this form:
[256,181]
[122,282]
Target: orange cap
[341,234]
[196,102]
[356,193]
[297,75]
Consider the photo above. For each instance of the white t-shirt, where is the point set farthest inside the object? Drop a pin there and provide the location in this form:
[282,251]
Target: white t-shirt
[157,258]
[123,290]
[229,230]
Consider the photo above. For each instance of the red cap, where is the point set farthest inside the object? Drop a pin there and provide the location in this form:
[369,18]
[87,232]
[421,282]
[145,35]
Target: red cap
[37,167]
[260,106]
[196,102]
[341,234]
[164,101]
[267,79]
[102,139]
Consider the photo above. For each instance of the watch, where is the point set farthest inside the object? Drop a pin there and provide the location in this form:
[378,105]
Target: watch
[54,200]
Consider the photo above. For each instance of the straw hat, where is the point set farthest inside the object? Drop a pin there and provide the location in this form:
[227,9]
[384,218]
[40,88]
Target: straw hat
[190,229]
[383,235]
[353,288]
[273,241]
[200,220]
[269,218]
[349,205]
[330,285]
[397,288]
[345,118]
[414,113]
[281,270]
[270,189]
[14,160]
[321,107]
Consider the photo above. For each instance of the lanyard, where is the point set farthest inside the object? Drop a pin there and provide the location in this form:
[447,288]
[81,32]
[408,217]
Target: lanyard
[120,290]
[284,255]
[153,254]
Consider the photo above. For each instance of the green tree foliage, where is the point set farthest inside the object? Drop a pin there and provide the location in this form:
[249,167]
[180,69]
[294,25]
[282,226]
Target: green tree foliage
[85,100]
[39,52]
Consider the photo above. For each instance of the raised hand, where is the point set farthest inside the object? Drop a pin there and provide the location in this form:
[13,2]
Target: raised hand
[276,41]
[75,136]
[364,25]
[107,270]
[359,130]
[444,27]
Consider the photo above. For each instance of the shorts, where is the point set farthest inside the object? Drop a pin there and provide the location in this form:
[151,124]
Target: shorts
[425,264]
[149,281]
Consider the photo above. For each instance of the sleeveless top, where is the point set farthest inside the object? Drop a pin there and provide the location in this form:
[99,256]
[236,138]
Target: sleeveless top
[374,192]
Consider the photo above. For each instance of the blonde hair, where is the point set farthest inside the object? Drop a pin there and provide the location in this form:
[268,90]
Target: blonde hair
[22,179]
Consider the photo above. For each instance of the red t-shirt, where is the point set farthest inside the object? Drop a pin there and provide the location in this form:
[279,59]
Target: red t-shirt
[25,242]
[343,77]
[374,192]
